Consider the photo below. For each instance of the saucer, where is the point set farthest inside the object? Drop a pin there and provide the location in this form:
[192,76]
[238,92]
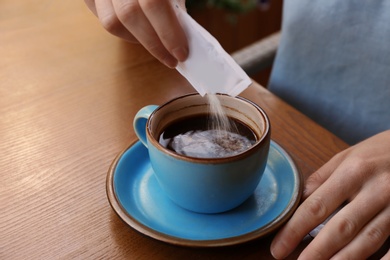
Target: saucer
[136,197]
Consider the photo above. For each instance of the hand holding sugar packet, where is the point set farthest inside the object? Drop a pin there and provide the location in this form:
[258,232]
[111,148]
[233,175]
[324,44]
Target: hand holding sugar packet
[209,68]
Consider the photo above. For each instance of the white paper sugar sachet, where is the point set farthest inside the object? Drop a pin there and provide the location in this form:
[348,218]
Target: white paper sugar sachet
[209,68]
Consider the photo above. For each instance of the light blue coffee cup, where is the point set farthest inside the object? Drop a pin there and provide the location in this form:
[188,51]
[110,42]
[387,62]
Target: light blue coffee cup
[205,185]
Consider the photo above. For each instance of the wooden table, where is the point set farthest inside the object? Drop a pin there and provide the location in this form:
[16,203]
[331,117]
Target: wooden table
[68,94]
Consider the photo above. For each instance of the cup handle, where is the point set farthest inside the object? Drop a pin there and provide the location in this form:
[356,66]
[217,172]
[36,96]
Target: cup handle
[140,120]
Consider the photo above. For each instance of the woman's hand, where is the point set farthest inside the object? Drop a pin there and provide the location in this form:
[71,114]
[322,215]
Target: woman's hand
[152,23]
[359,176]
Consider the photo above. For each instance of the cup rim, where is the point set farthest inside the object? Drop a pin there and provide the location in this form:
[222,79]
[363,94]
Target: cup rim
[259,143]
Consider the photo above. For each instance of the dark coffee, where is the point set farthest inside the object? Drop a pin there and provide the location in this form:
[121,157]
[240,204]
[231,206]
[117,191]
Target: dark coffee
[193,137]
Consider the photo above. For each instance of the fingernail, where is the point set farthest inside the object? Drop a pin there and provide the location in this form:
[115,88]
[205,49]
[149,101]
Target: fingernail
[180,53]
[278,250]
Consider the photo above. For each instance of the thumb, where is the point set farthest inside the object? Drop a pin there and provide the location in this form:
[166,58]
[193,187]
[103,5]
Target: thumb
[317,178]
[312,183]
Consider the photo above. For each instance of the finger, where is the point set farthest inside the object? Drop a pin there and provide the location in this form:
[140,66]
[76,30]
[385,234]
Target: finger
[132,17]
[370,239]
[345,225]
[314,210]
[109,20]
[91,6]
[164,21]
[316,179]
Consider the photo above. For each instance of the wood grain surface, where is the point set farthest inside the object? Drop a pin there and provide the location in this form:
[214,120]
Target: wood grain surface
[68,94]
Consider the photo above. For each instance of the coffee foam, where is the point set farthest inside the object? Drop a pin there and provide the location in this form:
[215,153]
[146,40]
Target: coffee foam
[210,143]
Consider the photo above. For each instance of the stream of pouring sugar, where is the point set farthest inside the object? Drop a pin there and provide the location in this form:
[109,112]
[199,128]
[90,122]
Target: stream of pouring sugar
[219,120]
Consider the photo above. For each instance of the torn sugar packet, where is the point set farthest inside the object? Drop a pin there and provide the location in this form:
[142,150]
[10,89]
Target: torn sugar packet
[209,68]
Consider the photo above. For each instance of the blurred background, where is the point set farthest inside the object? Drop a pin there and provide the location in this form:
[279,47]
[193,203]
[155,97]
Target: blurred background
[238,23]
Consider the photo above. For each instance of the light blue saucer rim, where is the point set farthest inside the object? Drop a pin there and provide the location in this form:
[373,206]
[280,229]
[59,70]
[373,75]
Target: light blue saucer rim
[255,234]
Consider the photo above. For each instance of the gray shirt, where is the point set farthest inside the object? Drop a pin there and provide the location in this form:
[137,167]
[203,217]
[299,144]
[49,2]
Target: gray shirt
[333,64]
